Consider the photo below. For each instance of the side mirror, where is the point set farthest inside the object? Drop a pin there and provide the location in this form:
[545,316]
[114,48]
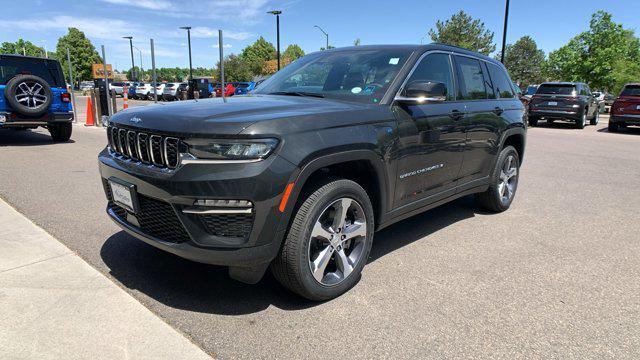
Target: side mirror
[424,91]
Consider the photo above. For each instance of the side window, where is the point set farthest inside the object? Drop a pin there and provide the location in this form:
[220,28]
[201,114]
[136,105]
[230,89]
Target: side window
[501,83]
[472,82]
[436,68]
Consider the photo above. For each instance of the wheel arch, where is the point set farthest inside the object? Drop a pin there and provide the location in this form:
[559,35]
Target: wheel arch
[515,137]
[362,166]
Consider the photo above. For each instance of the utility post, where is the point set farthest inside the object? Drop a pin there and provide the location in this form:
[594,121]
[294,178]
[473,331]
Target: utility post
[220,47]
[73,96]
[277,14]
[504,32]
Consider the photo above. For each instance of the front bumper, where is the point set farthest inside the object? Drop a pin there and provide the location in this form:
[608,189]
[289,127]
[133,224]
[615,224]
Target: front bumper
[190,235]
[14,119]
[627,119]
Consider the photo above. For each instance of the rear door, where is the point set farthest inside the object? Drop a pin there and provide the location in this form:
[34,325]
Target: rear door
[482,119]
[431,137]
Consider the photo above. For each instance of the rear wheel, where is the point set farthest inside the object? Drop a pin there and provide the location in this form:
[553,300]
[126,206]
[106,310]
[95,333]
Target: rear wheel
[328,242]
[60,132]
[596,118]
[533,121]
[504,182]
[613,127]
[580,123]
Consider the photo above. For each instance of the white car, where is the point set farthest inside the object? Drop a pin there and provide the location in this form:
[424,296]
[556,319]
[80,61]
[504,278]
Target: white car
[86,85]
[118,87]
[159,91]
[143,90]
[170,91]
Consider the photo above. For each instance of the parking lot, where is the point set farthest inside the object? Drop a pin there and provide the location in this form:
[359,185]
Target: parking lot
[554,277]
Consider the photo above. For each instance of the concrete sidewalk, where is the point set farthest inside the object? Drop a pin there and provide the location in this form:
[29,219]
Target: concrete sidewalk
[54,305]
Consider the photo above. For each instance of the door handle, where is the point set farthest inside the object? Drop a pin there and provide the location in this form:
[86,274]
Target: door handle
[456,114]
[498,110]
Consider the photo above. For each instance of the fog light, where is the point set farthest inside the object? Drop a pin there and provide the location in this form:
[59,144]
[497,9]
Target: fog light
[224,203]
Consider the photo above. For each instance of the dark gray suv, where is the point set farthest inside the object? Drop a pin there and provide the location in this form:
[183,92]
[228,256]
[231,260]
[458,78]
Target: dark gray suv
[569,101]
[298,175]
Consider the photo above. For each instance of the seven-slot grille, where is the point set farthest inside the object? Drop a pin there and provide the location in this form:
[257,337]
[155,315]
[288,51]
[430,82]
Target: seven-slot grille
[161,151]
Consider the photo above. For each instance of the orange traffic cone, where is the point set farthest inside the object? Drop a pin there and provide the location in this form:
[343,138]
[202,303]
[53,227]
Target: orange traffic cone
[125,97]
[91,118]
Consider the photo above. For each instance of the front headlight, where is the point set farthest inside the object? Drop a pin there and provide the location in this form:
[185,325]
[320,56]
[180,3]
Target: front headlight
[232,149]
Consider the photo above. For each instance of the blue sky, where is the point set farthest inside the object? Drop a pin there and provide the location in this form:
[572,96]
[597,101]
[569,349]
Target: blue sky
[550,23]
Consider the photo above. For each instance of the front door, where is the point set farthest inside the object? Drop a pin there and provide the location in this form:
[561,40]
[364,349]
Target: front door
[431,137]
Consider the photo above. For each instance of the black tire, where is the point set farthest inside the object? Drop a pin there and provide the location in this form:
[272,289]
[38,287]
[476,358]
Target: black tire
[490,200]
[60,132]
[13,88]
[580,123]
[595,119]
[291,266]
[613,127]
[533,121]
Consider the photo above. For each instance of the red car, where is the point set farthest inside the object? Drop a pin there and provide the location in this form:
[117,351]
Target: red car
[229,90]
[625,110]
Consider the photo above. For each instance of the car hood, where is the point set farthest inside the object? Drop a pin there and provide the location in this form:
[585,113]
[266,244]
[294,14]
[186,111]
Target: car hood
[215,116]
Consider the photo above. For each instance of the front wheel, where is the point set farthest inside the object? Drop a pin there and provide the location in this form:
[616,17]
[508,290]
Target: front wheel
[580,123]
[328,242]
[596,118]
[60,132]
[504,182]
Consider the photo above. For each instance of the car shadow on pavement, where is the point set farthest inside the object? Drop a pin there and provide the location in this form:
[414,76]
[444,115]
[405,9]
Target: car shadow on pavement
[187,285]
[11,137]
[624,131]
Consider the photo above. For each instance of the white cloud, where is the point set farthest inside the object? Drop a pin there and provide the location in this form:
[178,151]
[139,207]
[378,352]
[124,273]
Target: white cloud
[145,4]
[206,32]
[102,28]
[225,46]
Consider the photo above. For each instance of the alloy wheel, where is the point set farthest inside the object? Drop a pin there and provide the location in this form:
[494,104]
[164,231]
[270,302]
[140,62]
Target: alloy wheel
[337,241]
[508,180]
[31,94]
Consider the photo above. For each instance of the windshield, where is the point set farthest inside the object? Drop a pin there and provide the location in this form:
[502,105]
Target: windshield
[243,86]
[553,89]
[531,90]
[353,75]
[49,70]
[631,90]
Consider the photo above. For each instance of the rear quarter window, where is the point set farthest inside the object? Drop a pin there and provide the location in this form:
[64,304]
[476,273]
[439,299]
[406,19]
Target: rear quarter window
[502,87]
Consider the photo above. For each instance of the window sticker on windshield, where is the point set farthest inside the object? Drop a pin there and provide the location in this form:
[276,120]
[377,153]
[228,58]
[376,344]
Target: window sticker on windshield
[394,61]
[356,90]
[369,89]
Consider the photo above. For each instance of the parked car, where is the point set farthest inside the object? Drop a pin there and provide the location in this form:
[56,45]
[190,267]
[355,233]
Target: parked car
[243,88]
[531,90]
[132,92]
[117,87]
[159,91]
[143,90]
[34,93]
[170,92]
[229,90]
[569,101]
[299,176]
[626,108]
[520,95]
[608,102]
[183,91]
[86,85]
[202,86]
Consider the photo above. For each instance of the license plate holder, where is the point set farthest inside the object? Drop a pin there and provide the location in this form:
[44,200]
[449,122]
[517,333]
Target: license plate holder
[552,103]
[124,194]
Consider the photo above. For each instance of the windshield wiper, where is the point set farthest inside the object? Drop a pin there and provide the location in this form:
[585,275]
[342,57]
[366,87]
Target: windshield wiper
[297,93]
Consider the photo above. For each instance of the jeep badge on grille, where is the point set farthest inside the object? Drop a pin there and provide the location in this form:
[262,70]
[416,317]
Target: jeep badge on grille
[135,120]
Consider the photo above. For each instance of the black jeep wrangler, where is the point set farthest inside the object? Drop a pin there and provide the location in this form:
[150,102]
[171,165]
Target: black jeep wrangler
[34,94]
[299,175]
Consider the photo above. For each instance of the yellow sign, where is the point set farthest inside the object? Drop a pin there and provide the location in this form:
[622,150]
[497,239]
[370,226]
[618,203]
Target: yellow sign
[97,70]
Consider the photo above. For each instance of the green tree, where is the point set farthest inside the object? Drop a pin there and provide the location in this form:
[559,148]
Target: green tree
[256,54]
[356,42]
[83,54]
[464,31]
[235,69]
[328,48]
[19,46]
[602,56]
[293,52]
[524,61]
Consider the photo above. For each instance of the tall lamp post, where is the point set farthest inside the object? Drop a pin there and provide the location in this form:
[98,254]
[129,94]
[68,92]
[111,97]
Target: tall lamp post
[133,70]
[141,66]
[188,28]
[504,32]
[277,14]
[325,34]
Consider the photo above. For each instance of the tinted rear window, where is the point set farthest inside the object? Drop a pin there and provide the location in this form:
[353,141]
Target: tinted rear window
[472,82]
[631,90]
[551,89]
[49,70]
[501,82]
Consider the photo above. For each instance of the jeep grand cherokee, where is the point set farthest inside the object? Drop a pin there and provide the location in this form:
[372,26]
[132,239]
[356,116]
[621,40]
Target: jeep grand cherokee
[298,175]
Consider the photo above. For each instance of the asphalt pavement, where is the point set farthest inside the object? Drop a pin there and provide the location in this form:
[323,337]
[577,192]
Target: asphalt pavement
[556,276]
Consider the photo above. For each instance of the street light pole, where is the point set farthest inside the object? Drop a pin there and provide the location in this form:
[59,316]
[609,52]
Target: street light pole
[188,28]
[277,14]
[133,70]
[141,73]
[325,34]
[504,32]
